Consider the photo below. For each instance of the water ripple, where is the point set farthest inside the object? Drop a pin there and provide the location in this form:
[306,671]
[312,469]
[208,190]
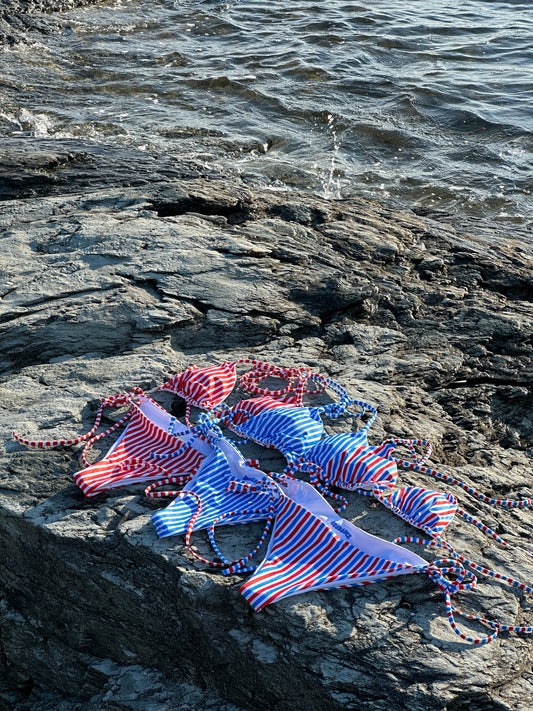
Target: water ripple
[420,104]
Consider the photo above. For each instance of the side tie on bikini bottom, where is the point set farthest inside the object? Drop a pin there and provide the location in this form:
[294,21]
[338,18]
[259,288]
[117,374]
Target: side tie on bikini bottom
[115,401]
[148,428]
[212,496]
[455,564]
[311,548]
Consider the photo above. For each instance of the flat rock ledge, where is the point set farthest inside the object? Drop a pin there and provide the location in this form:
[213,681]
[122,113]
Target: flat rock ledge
[107,289]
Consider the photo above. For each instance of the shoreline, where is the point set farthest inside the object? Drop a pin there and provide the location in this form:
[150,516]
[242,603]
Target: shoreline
[43,16]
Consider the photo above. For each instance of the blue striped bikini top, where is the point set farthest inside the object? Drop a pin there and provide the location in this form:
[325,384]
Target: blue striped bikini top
[293,430]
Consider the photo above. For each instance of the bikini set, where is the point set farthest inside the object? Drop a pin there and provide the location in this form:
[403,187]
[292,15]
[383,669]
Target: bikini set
[311,547]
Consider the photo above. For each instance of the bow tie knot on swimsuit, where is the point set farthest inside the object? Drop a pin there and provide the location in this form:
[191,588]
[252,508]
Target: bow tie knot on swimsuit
[208,427]
[225,489]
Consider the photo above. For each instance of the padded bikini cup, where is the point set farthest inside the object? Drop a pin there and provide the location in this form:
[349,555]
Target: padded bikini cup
[348,462]
[203,387]
[292,430]
[428,510]
[336,445]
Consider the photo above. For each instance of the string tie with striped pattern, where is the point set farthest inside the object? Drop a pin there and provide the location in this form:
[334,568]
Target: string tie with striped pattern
[114,401]
[456,566]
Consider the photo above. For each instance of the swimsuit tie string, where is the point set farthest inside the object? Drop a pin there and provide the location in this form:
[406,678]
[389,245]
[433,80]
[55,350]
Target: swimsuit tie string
[207,429]
[420,467]
[316,477]
[239,565]
[391,443]
[464,580]
[115,401]
[261,370]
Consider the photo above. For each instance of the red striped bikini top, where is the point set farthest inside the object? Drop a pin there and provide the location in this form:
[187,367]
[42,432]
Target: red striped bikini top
[206,388]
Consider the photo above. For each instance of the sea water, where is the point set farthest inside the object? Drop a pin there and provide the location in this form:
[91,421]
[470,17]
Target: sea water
[421,103]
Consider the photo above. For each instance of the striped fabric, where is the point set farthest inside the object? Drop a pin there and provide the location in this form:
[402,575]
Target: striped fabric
[203,387]
[311,548]
[211,487]
[419,463]
[208,387]
[268,420]
[346,460]
[130,461]
[292,430]
[243,410]
[431,511]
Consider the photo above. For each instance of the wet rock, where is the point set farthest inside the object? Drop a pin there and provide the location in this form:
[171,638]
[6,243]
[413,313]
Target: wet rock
[19,18]
[32,6]
[125,286]
[31,167]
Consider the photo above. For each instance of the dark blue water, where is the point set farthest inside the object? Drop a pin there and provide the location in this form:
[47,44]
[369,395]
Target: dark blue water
[426,103]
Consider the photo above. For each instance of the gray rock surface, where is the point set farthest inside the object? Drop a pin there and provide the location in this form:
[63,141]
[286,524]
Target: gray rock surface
[31,167]
[19,16]
[32,6]
[125,286]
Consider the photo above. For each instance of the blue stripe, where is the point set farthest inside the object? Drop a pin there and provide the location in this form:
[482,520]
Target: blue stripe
[209,483]
[291,430]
